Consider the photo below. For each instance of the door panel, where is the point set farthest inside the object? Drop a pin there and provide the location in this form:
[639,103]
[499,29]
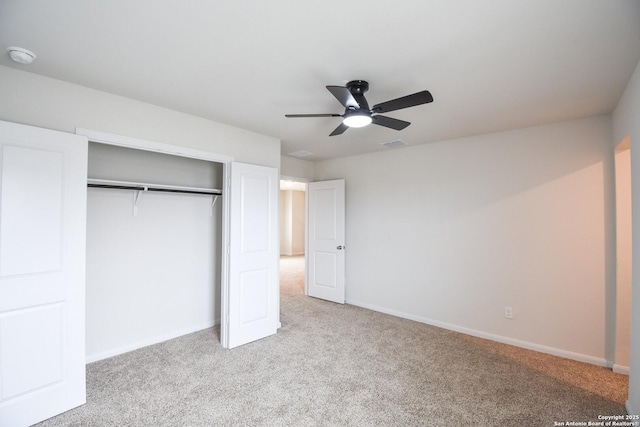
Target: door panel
[40,189]
[326,235]
[325,269]
[254,292]
[324,205]
[252,308]
[25,347]
[42,261]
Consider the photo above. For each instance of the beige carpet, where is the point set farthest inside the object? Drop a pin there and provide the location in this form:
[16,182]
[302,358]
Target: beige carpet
[339,365]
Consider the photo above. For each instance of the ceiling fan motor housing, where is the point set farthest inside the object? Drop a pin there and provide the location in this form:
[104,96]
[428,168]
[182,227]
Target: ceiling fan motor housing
[357,89]
[358,86]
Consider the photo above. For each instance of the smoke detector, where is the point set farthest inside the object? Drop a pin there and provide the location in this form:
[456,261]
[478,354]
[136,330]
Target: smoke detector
[21,55]
[392,144]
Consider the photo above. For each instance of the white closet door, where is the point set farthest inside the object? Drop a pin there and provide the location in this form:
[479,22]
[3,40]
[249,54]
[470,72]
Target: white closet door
[252,295]
[43,177]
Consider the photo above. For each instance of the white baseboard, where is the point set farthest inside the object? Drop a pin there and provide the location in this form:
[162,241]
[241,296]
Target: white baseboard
[150,341]
[498,338]
[619,369]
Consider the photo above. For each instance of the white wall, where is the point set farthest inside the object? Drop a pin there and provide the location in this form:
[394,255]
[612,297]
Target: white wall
[153,276]
[44,102]
[285,222]
[623,259]
[296,168]
[292,222]
[626,124]
[297,222]
[451,232]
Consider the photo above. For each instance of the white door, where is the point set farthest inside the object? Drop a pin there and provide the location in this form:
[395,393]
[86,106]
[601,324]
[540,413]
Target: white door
[43,188]
[251,299]
[326,244]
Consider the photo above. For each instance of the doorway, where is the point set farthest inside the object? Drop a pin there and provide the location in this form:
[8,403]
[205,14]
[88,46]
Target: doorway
[322,225]
[292,235]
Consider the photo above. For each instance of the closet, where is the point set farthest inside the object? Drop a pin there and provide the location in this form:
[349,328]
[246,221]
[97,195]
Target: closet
[154,232]
[120,243]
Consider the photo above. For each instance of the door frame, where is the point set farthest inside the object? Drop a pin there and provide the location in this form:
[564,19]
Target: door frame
[174,150]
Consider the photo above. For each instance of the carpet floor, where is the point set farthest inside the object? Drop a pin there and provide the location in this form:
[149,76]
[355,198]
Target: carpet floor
[340,365]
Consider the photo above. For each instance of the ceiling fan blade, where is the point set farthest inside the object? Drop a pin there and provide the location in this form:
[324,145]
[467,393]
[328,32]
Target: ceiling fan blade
[390,122]
[419,98]
[344,96]
[312,115]
[339,130]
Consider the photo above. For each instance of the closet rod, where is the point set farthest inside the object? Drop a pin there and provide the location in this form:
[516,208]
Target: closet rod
[137,186]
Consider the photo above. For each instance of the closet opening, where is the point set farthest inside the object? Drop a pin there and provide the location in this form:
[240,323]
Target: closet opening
[154,247]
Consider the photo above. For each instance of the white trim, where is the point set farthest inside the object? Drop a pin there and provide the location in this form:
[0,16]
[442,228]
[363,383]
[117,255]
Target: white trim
[498,338]
[226,250]
[151,341]
[306,243]
[143,144]
[619,369]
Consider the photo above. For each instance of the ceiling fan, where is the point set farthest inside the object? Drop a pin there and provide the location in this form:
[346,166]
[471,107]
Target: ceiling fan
[357,112]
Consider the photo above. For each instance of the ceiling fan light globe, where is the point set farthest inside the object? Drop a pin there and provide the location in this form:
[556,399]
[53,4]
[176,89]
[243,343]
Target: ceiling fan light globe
[357,120]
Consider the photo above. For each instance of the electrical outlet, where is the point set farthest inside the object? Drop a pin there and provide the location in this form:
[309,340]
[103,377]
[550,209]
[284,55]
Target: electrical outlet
[508,312]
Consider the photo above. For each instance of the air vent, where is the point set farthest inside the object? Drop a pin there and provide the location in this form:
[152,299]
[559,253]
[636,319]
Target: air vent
[301,154]
[392,144]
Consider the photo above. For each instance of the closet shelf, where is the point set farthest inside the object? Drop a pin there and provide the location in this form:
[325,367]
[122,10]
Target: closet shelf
[140,186]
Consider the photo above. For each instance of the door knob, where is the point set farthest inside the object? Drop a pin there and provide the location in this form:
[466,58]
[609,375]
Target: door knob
[340,248]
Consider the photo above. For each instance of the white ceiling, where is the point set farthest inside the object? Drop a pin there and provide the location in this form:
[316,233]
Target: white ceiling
[491,65]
